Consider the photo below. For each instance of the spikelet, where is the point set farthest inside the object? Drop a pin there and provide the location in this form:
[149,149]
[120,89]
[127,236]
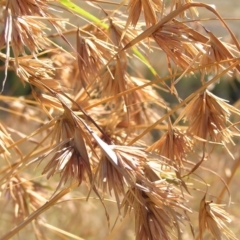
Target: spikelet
[25,196]
[213,217]
[174,145]
[150,8]
[208,117]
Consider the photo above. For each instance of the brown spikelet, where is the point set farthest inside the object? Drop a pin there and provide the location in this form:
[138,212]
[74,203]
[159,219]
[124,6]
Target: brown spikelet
[216,51]
[96,32]
[28,7]
[150,8]
[208,117]
[32,70]
[5,140]
[114,175]
[109,179]
[92,56]
[155,211]
[213,217]
[115,80]
[23,29]
[141,101]
[66,70]
[63,130]
[26,196]
[115,128]
[117,34]
[70,158]
[173,38]
[72,165]
[48,101]
[174,145]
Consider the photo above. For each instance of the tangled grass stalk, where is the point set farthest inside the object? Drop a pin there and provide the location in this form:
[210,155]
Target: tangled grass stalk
[105,120]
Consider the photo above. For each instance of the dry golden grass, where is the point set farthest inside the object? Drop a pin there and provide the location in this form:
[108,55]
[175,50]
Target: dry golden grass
[96,128]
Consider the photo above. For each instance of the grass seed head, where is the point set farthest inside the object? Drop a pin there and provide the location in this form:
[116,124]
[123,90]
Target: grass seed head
[155,210]
[118,35]
[5,140]
[70,163]
[26,196]
[114,177]
[213,217]
[208,117]
[173,38]
[92,56]
[216,51]
[174,145]
[150,8]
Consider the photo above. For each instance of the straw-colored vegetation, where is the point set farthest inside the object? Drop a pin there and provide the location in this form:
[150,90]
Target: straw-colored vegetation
[106,120]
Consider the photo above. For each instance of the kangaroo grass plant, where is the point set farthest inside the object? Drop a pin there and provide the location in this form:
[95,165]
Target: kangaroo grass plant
[105,121]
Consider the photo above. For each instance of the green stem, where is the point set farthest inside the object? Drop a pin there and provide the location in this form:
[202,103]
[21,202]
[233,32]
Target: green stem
[82,12]
[89,16]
